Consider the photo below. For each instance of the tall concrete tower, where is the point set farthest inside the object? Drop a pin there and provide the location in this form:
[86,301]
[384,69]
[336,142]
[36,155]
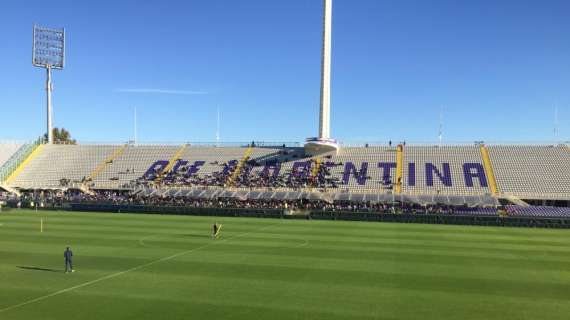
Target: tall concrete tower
[324,118]
[323,143]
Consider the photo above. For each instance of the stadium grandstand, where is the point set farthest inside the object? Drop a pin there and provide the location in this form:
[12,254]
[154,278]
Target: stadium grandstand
[509,180]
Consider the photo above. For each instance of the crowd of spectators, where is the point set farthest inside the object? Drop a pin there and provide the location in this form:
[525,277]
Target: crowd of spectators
[59,198]
[306,177]
[250,174]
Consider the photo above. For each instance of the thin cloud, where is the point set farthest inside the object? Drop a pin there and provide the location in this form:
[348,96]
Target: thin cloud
[160,91]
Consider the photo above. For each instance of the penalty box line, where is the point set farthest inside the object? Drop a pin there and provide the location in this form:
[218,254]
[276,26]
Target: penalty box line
[120,273]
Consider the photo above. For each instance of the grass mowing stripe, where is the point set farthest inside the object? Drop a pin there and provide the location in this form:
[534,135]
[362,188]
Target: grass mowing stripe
[113,275]
[296,269]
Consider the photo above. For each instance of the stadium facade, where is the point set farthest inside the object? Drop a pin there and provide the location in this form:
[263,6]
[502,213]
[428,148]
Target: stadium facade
[473,174]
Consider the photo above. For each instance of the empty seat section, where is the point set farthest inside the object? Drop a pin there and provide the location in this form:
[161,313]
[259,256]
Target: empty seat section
[532,171]
[62,162]
[132,164]
[7,149]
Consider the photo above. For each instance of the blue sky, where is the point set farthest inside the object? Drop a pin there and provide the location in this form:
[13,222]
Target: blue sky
[498,68]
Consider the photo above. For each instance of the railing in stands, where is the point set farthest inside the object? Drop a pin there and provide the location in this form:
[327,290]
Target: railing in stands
[399,169]
[437,144]
[9,166]
[316,168]
[489,170]
[17,162]
[289,144]
[240,165]
[261,144]
[171,163]
[101,166]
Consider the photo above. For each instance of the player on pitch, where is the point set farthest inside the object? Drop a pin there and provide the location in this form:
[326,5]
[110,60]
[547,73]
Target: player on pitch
[68,255]
[216,230]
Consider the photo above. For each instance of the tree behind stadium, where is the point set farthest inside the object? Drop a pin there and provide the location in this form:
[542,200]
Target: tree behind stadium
[61,136]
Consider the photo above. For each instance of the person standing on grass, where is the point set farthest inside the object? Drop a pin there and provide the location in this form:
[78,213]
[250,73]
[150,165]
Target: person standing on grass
[68,255]
[216,228]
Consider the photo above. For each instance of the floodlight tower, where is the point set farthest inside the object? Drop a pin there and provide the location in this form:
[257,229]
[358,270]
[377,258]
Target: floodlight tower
[323,143]
[48,51]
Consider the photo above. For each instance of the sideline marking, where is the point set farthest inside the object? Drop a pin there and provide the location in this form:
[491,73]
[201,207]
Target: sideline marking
[116,274]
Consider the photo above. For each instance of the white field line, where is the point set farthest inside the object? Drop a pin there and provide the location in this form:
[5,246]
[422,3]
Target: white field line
[116,274]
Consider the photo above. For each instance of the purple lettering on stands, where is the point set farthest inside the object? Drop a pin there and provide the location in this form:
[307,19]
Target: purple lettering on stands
[387,171]
[411,174]
[301,169]
[274,166]
[479,173]
[246,171]
[177,166]
[229,167]
[155,169]
[445,178]
[350,168]
[194,168]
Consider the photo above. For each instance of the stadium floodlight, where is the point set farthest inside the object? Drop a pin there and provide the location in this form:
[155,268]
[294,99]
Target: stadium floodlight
[323,143]
[48,51]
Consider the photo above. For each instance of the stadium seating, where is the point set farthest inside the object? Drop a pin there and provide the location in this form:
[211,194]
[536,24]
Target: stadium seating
[214,158]
[130,165]
[429,162]
[538,211]
[532,171]
[55,163]
[528,172]
[271,162]
[375,178]
[7,149]
[477,212]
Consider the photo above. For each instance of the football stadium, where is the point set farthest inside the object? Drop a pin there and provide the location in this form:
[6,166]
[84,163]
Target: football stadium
[313,229]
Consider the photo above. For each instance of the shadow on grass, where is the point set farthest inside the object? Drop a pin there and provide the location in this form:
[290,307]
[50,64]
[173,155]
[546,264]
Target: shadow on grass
[38,269]
[195,235]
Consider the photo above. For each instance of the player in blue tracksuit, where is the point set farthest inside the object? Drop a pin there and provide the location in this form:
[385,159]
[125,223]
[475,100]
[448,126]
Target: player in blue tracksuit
[68,255]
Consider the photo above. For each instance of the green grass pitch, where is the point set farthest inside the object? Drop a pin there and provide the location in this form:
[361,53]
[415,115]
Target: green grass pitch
[168,267]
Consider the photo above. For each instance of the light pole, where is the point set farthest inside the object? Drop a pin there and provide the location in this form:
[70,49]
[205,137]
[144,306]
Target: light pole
[48,51]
